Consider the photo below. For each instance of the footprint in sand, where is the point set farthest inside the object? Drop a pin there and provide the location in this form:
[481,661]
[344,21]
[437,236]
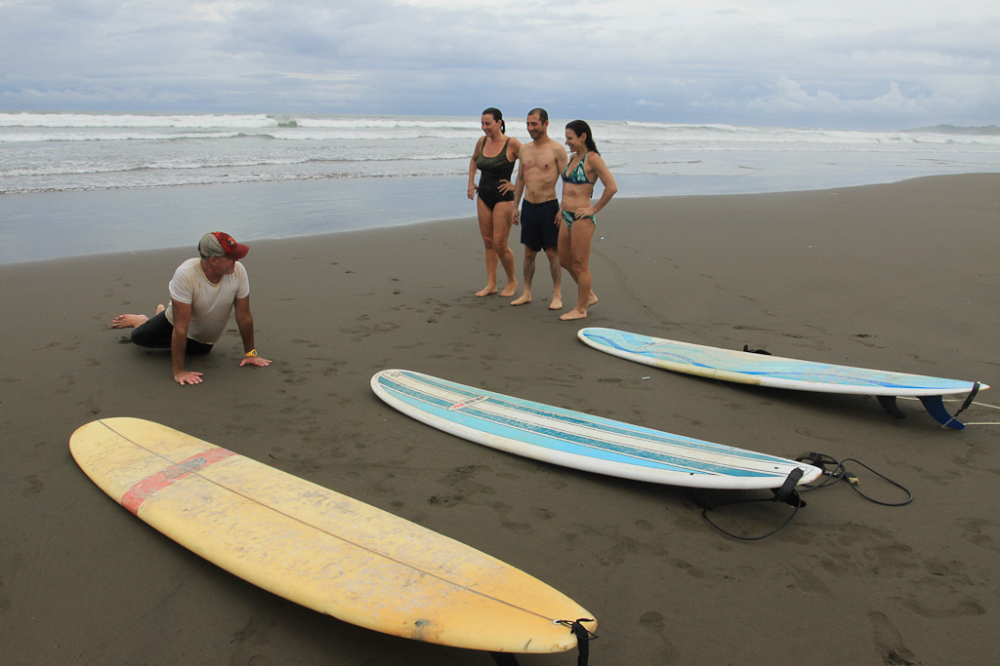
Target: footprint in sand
[889,642]
[977,532]
[652,621]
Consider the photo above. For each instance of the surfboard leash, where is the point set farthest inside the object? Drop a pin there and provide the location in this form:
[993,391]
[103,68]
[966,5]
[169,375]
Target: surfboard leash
[969,401]
[965,406]
[834,470]
[583,638]
[786,494]
[837,472]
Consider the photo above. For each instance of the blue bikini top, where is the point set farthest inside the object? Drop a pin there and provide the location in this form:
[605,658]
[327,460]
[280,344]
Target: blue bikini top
[578,176]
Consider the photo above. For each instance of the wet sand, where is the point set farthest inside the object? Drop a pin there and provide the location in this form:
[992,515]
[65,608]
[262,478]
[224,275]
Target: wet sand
[898,277]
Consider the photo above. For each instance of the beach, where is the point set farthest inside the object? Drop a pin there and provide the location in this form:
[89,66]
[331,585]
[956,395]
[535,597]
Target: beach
[898,276]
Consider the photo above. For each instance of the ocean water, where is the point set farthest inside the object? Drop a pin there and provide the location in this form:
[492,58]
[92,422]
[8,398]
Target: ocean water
[89,183]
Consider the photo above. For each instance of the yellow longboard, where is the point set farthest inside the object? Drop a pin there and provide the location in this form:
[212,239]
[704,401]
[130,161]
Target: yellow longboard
[321,549]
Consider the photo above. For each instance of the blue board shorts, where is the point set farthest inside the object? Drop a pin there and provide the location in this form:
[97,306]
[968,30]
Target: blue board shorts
[538,225]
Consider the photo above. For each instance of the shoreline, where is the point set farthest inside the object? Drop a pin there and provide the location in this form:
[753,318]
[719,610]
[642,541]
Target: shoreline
[897,277]
[43,226]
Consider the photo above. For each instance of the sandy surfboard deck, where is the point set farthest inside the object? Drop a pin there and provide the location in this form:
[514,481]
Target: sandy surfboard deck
[321,549]
[777,372]
[581,441]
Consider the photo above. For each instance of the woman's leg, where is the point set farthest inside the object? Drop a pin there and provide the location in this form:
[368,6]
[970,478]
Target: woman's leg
[578,250]
[486,231]
[503,215]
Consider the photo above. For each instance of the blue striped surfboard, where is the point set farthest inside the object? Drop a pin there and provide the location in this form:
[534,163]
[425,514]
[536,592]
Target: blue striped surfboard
[777,372]
[580,441]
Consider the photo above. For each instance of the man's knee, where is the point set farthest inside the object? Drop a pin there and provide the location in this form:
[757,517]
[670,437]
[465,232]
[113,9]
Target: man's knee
[145,336]
[154,333]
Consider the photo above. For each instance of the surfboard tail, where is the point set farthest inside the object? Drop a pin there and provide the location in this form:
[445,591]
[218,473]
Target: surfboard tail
[934,404]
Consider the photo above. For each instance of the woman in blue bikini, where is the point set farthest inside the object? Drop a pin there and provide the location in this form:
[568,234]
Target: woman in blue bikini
[494,156]
[578,216]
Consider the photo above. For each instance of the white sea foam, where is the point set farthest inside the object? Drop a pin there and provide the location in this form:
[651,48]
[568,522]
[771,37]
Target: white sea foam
[75,120]
[329,173]
[93,151]
[64,134]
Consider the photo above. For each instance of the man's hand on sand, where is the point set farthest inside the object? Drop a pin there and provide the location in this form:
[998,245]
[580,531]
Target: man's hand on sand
[188,377]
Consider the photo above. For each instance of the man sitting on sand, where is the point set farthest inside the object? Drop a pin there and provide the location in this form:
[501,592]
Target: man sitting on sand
[542,161]
[203,293]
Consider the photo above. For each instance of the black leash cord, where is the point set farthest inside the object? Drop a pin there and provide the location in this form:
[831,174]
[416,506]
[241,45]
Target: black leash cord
[704,514]
[839,473]
[583,638]
[788,494]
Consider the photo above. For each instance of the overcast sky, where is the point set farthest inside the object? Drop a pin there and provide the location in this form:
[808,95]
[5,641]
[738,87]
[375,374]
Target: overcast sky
[861,64]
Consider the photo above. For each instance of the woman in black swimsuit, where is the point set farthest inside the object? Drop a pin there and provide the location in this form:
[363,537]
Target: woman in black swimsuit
[495,155]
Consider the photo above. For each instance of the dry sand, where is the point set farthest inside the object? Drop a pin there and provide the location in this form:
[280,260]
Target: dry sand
[900,277]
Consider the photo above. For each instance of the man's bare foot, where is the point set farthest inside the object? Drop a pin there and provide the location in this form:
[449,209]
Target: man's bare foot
[592,299]
[556,303]
[129,320]
[509,290]
[159,308]
[522,299]
[575,313]
[486,291]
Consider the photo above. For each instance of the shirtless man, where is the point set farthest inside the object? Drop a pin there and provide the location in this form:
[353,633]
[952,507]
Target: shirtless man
[542,161]
[203,293]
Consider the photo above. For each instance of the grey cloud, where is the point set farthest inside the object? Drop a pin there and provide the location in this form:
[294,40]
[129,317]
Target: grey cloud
[684,63]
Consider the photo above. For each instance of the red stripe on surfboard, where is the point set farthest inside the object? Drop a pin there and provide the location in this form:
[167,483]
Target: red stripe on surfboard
[142,490]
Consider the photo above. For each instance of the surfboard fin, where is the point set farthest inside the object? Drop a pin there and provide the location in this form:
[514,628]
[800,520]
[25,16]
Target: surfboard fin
[747,349]
[888,403]
[934,404]
[787,493]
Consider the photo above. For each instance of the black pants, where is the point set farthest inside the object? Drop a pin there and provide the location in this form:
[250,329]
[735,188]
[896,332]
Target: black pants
[157,333]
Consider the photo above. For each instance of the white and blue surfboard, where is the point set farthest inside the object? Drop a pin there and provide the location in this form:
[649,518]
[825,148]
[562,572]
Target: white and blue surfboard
[776,372]
[581,441]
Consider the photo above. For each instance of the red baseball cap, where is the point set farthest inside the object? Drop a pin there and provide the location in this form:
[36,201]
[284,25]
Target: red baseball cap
[221,244]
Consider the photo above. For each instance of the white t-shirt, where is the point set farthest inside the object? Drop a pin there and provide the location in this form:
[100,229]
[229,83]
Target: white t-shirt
[211,304]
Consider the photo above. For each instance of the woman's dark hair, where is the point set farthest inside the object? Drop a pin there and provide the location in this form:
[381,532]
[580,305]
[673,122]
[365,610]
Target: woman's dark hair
[580,128]
[497,117]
